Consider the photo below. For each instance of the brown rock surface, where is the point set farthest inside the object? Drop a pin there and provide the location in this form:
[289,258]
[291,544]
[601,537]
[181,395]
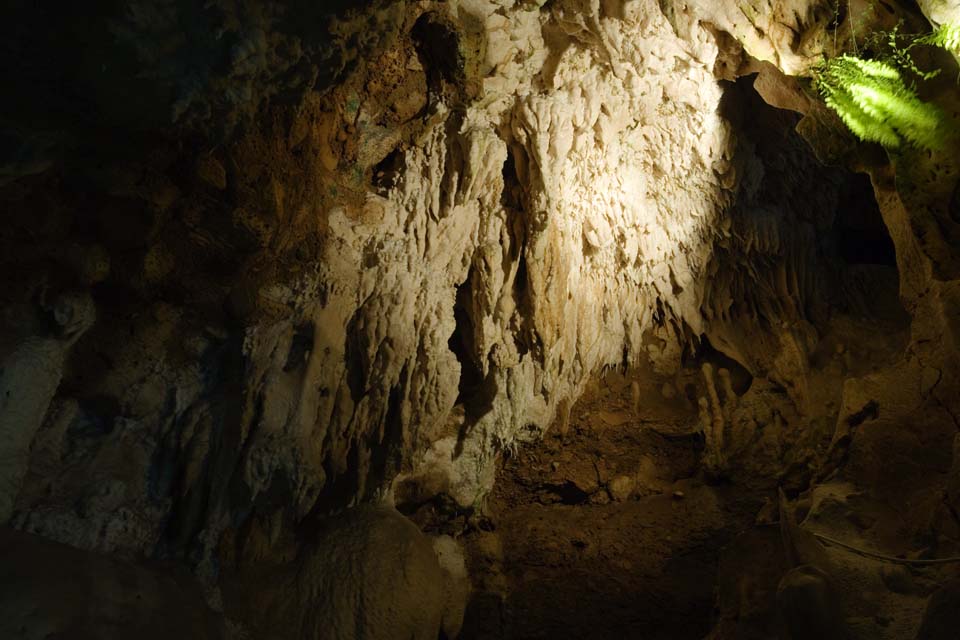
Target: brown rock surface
[351,253]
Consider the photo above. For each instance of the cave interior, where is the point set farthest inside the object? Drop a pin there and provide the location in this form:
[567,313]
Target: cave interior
[480,319]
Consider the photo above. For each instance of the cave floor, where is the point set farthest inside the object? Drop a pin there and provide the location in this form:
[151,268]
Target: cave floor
[609,527]
[606,531]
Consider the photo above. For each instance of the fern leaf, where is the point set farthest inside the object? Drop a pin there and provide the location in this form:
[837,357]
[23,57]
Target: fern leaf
[863,124]
[873,68]
[947,36]
[875,103]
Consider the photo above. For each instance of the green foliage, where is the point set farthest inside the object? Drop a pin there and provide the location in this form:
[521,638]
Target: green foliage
[897,48]
[947,36]
[876,97]
[873,100]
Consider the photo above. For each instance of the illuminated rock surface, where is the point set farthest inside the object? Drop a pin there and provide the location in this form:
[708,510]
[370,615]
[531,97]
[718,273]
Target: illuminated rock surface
[350,255]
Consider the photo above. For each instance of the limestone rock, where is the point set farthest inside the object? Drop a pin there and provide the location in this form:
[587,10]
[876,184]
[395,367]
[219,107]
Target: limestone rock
[456,583]
[332,261]
[28,382]
[368,573]
[621,487]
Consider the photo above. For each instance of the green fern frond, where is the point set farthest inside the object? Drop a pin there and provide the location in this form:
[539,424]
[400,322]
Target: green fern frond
[872,68]
[873,100]
[862,124]
[896,104]
[946,36]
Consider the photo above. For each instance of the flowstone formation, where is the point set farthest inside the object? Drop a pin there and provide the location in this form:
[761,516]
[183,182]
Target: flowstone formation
[405,272]
[359,254]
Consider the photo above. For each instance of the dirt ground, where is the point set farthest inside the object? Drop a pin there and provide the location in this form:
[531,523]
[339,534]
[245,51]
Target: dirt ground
[606,532]
[614,528]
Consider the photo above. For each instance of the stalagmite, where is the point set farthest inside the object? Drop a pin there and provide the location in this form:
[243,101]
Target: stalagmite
[29,378]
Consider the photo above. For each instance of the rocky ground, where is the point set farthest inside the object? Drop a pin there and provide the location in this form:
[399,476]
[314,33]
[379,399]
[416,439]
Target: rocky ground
[610,527]
[603,532]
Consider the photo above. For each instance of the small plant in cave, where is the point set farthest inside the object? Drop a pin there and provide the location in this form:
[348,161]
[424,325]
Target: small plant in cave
[947,36]
[876,97]
[874,101]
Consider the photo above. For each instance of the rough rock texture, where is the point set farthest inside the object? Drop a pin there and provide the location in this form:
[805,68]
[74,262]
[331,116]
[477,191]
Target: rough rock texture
[367,573]
[29,379]
[347,254]
[525,213]
[455,581]
[567,551]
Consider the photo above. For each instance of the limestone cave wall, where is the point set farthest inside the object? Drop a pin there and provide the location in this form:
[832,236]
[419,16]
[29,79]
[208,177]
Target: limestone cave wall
[265,261]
